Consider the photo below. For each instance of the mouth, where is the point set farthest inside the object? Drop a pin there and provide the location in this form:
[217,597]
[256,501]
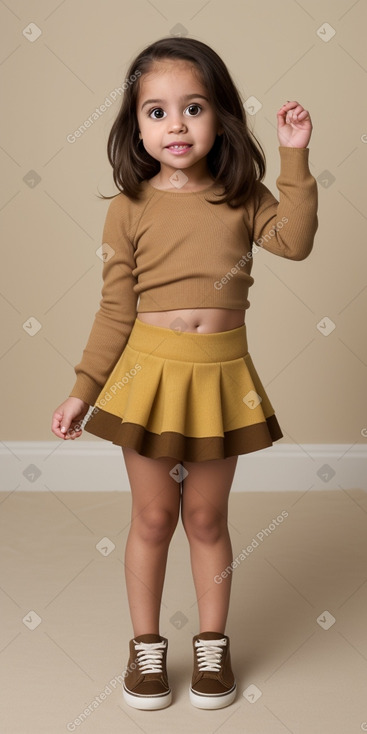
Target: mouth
[179,148]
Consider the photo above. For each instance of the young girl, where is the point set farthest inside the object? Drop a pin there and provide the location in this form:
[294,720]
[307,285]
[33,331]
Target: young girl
[167,366]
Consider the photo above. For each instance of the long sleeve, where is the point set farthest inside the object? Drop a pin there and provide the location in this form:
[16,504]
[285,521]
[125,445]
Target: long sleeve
[115,318]
[287,228]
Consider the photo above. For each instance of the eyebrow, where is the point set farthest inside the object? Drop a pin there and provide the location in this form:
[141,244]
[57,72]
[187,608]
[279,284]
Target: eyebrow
[163,101]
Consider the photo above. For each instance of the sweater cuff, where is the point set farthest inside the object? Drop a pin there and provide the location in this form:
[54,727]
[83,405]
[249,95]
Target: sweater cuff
[86,389]
[294,162]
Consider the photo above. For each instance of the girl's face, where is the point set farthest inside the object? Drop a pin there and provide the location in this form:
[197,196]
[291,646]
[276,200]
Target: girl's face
[173,110]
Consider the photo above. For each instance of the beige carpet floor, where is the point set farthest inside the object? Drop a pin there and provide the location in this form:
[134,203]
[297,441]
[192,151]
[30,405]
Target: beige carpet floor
[297,621]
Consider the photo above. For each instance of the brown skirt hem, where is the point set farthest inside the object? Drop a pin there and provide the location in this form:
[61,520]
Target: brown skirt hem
[183,448]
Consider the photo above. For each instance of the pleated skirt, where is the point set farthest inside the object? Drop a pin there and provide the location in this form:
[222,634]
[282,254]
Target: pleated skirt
[188,396]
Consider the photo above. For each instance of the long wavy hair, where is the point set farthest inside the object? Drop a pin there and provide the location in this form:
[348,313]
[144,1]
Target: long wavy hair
[236,160]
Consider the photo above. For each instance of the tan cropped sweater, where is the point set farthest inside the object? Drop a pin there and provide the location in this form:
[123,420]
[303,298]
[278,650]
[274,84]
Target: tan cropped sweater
[173,249]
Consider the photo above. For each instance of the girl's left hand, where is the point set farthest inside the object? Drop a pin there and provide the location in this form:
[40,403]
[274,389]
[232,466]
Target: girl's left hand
[294,126]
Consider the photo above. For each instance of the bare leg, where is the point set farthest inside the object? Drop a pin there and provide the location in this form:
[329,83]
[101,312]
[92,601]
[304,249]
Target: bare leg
[155,512]
[204,516]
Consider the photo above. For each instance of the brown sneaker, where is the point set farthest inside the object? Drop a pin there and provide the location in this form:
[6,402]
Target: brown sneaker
[213,685]
[146,685]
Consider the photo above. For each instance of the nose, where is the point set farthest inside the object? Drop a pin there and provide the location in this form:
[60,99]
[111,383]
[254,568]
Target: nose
[177,124]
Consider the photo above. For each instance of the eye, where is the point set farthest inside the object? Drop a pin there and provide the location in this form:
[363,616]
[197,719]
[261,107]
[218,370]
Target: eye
[151,113]
[194,110]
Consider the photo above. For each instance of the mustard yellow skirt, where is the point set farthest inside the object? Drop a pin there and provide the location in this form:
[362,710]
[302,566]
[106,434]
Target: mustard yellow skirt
[189,396]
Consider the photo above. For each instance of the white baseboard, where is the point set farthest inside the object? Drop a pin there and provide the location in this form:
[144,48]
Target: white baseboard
[94,466]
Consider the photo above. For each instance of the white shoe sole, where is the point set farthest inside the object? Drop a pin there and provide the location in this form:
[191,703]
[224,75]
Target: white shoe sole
[147,703]
[202,701]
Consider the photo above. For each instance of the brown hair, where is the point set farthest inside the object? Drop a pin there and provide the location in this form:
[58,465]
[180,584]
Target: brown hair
[236,159]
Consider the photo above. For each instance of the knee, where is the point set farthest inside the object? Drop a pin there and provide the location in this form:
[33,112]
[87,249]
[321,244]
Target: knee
[155,525]
[205,525]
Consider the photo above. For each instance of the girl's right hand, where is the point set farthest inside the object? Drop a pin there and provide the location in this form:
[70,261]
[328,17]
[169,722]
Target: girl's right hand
[67,418]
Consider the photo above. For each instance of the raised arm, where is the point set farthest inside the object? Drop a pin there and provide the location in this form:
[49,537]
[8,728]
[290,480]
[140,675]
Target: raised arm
[287,227]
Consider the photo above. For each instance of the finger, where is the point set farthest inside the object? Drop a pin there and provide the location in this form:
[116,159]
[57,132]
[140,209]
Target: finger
[302,115]
[72,431]
[56,424]
[71,435]
[56,418]
[288,106]
[75,430]
[291,116]
[66,422]
[296,114]
[58,433]
[284,115]
[297,111]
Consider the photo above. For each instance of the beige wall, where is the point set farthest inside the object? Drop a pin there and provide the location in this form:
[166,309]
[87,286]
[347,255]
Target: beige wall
[51,230]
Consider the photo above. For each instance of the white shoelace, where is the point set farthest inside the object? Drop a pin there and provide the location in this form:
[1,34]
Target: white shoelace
[209,654]
[150,656]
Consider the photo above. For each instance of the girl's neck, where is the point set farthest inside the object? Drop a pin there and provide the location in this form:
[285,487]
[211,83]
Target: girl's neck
[192,178]
[177,182]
